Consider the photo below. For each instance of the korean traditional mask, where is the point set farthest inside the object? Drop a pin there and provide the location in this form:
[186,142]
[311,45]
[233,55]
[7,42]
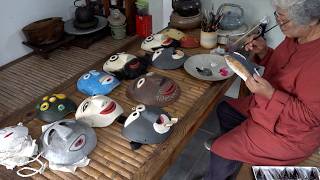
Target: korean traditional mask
[173,33]
[133,69]
[154,42]
[189,42]
[98,111]
[117,62]
[148,125]
[97,83]
[55,107]
[17,147]
[168,58]
[67,142]
[153,89]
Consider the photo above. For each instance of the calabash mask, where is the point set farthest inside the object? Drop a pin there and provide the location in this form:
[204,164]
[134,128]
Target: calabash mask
[98,111]
[173,33]
[117,62]
[148,125]
[67,142]
[97,83]
[55,107]
[154,42]
[153,89]
[168,58]
[189,42]
[133,69]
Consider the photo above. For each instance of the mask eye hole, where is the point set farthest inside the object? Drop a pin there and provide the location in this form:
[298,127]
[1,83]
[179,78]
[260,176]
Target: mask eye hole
[140,82]
[140,107]
[44,106]
[87,76]
[78,143]
[150,38]
[113,58]
[61,107]
[85,106]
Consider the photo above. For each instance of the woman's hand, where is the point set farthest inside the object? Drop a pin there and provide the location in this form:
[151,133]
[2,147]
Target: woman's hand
[258,46]
[258,85]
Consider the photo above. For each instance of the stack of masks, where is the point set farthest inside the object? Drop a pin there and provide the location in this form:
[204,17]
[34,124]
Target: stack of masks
[125,66]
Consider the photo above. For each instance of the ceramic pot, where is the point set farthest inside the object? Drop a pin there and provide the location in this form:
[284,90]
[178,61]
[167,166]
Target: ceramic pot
[208,40]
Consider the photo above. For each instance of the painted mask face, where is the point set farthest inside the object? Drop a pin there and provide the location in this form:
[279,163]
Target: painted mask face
[153,42]
[189,42]
[11,134]
[154,89]
[67,142]
[148,125]
[168,58]
[173,33]
[117,62]
[98,111]
[55,107]
[97,83]
[133,69]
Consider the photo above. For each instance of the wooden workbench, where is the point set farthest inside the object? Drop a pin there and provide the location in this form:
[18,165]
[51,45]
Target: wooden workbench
[113,157]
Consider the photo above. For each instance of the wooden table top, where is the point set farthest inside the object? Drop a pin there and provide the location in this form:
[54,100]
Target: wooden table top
[113,157]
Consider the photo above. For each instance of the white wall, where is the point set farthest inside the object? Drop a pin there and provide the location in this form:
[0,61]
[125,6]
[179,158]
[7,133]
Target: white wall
[15,14]
[254,11]
[160,11]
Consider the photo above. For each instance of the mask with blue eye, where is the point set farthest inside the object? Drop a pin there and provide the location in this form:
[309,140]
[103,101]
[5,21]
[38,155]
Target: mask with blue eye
[97,83]
[54,107]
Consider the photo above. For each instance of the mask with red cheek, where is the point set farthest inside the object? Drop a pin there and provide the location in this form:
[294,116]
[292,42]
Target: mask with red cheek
[154,89]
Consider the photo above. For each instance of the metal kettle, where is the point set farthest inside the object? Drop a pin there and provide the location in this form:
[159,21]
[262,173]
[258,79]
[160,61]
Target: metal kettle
[83,13]
[232,16]
[186,8]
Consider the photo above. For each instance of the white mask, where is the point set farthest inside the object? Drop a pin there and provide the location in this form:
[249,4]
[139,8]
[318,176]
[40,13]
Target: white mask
[117,62]
[98,111]
[17,147]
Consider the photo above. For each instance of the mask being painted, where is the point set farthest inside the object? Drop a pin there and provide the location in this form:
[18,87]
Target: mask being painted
[66,144]
[98,111]
[148,125]
[154,42]
[97,83]
[117,62]
[168,58]
[17,147]
[154,89]
[55,107]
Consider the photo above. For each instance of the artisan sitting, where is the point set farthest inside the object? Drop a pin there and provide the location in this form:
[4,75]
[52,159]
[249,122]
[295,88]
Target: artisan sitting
[279,124]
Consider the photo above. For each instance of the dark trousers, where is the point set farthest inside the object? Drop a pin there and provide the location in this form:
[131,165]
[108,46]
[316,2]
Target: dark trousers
[219,167]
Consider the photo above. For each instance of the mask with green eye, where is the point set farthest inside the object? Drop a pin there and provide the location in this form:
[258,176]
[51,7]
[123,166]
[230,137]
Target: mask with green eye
[55,107]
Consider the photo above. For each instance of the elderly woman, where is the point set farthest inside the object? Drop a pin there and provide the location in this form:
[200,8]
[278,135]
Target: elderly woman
[279,124]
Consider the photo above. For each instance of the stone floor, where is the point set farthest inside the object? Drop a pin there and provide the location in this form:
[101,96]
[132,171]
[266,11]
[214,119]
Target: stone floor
[193,161]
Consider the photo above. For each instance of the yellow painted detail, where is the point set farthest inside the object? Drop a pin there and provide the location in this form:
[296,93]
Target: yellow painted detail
[60,96]
[45,98]
[52,99]
[44,106]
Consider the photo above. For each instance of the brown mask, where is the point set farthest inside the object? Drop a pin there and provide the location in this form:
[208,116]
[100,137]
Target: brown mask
[154,89]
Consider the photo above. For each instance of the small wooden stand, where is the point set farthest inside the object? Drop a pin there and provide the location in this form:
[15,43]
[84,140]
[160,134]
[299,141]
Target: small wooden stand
[44,50]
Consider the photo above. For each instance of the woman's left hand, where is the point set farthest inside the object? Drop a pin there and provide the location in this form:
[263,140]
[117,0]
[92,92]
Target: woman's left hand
[258,85]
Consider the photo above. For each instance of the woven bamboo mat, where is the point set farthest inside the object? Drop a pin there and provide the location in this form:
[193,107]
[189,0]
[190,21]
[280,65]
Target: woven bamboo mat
[31,78]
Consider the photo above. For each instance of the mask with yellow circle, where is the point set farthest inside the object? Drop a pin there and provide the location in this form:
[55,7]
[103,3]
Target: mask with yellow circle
[55,107]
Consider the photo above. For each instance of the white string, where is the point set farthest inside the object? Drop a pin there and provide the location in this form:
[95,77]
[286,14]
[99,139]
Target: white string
[35,171]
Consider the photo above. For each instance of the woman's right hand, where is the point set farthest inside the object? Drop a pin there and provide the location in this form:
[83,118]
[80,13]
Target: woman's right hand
[257,46]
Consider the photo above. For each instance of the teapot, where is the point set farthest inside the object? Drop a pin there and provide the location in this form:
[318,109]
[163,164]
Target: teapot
[232,16]
[186,8]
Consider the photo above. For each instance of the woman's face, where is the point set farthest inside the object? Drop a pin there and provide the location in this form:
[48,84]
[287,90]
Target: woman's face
[288,27]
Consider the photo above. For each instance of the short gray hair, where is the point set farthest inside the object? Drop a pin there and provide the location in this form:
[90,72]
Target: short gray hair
[301,12]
